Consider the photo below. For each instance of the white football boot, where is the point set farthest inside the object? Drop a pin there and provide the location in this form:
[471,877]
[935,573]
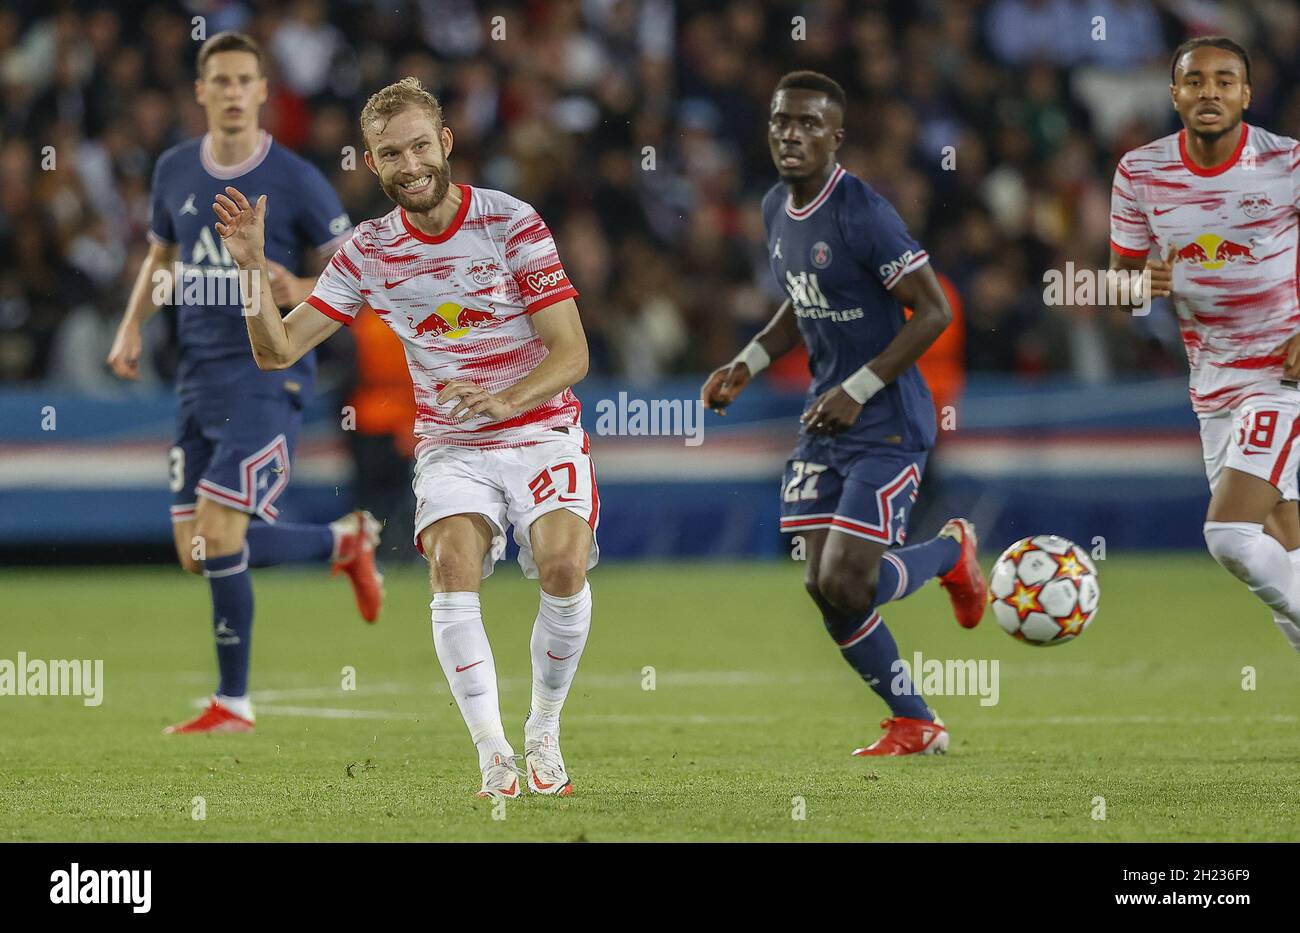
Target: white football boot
[501,777]
[545,766]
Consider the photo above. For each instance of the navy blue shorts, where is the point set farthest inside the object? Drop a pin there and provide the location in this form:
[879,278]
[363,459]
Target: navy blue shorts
[867,494]
[234,450]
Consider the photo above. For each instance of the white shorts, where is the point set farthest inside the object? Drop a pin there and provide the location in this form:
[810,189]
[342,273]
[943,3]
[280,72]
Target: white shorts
[1259,437]
[509,486]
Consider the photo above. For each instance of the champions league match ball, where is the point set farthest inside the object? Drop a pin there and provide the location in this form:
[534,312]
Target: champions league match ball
[1044,590]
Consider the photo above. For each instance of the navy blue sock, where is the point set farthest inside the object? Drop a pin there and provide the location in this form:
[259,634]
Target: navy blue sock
[905,570]
[283,543]
[870,649]
[232,619]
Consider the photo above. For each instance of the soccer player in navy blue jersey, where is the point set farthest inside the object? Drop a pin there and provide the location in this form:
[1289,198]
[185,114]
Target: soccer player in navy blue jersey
[236,425]
[850,266]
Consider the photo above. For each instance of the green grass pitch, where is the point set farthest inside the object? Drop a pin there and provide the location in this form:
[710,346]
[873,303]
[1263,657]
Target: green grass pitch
[753,712]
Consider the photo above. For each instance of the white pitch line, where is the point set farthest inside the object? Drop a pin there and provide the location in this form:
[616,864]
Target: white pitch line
[617,718]
[323,712]
[1139,720]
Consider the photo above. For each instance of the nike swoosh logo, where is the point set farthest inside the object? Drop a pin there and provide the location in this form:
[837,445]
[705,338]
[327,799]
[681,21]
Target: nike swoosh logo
[570,499]
[1157,211]
[461,670]
[388,284]
[554,658]
[537,781]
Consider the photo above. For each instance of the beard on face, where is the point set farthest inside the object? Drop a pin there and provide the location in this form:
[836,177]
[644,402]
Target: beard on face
[426,200]
[1213,136]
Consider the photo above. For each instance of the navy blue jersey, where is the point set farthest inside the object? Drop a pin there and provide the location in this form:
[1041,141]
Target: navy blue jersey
[302,214]
[837,258]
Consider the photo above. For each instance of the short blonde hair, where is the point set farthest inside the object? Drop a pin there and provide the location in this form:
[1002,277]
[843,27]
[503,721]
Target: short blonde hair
[387,102]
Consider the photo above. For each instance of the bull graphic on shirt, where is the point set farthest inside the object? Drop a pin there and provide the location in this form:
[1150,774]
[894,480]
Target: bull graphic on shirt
[452,321]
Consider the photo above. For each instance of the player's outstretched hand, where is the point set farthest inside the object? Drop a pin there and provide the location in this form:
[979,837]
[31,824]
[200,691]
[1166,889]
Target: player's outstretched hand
[723,385]
[1162,273]
[241,226]
[473,400]
[124,357]
[833,413]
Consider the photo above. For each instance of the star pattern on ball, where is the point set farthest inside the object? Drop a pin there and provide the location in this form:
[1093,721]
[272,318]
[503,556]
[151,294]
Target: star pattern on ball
[1024,599]
[1073,624]
[1020,550]
[1068,565]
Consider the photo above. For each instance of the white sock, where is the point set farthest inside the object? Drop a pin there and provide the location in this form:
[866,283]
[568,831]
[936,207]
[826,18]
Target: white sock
[466,657]
[1290,631]
[559,635]
[240,706]
[1259,561]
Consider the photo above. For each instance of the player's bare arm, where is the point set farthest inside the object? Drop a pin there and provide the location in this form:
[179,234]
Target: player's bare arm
[124,357]
[560,328]
[840,406]
[1159,278]
[277,342]
[779,337]
[291,290]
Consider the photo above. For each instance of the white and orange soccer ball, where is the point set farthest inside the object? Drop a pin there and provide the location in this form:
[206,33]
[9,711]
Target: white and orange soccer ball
[1044,590]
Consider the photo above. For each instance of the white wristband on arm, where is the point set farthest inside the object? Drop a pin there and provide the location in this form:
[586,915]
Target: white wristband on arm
[862,385]
[754,357]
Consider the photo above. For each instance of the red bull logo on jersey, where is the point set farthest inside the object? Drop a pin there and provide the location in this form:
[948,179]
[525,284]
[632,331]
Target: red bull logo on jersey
[484,271]
[1211,251]
[452,321]
[1255,205]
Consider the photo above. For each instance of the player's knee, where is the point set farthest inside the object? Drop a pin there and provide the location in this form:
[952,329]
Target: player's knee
[189,564]
[848,589]
[1233,545]
[214,536]
[454,572]
[562,574]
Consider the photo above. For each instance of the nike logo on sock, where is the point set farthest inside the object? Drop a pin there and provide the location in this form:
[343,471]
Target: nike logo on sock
[554,658]
[461,670]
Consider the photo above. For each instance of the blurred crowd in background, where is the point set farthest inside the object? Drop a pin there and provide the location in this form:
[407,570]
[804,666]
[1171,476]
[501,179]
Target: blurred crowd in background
[638,129]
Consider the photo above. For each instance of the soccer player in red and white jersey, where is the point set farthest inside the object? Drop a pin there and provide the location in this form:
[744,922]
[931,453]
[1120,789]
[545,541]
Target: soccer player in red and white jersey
[470,280]
[1212,213]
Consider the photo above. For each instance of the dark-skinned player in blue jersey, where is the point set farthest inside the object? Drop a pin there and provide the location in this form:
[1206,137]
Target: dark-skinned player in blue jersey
[236,425]
[849,265]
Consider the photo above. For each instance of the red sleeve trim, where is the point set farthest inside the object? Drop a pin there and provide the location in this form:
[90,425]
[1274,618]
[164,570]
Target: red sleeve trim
[326,310]
[549,300]
[1125,251]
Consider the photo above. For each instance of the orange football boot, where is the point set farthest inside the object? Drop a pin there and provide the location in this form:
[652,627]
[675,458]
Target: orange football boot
[965,583]
[214,718]
[356,537]
[905,736]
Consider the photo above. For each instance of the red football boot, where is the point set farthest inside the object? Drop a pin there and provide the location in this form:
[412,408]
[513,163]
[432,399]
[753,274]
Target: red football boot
[908,737]
[356,536]
[214,718]
[965,582]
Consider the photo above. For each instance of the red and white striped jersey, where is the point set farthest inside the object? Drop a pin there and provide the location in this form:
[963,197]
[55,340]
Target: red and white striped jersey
[1233,231]
[461,304]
